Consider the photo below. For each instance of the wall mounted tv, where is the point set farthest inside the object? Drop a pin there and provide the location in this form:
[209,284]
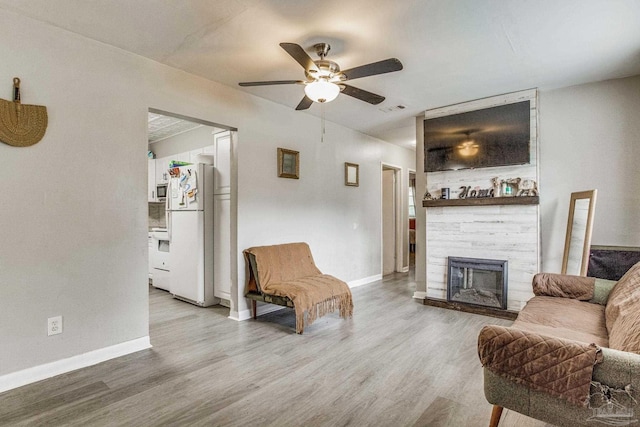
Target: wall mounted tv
[496,136]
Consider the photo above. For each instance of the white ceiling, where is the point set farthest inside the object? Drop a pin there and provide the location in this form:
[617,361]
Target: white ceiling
[162,127]
[452,50]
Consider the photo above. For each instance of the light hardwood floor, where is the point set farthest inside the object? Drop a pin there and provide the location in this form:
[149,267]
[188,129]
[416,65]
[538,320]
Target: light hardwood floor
[396,363]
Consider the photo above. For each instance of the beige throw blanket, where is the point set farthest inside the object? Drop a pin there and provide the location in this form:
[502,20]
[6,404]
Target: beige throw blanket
[288,270]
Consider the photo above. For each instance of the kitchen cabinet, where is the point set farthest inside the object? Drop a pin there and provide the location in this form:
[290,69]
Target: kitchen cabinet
[162,170]
[222,246]
[222,162]
[151,180]
[181,157]
[193,154]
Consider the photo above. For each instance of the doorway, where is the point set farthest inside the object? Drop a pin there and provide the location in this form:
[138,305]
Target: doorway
[391,220]
[174,141]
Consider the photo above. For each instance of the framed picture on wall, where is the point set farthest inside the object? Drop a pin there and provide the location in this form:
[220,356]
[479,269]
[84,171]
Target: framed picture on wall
[351,174]
[288,163]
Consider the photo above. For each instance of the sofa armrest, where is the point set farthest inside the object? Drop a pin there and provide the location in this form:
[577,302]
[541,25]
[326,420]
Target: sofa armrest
[564,286]
[560,367]
[618,369]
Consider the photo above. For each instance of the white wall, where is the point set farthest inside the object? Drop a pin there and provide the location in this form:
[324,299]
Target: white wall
[74,220]
[192,140]
[342,224]
[590,138]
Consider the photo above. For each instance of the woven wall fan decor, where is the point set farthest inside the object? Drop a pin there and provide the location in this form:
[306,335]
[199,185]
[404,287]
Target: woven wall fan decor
[21,125]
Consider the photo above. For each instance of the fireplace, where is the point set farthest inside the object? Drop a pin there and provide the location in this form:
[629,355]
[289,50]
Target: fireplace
[477,281]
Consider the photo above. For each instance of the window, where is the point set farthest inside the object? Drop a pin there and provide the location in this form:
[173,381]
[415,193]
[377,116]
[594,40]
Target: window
[412,198]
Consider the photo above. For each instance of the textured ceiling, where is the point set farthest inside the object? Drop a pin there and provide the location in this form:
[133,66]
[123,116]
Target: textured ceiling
[452,50]
[163,127]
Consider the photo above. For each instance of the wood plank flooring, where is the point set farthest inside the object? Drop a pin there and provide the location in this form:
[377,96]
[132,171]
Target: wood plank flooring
[396,363]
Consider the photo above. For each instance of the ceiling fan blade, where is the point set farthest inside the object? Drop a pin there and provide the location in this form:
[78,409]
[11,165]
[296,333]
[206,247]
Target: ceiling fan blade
[297,52]
[272,82]
[305,103]
[380,67]
[362,95]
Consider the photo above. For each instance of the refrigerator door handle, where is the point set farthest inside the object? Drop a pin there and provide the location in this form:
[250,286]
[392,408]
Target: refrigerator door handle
[168,196]
[167,213]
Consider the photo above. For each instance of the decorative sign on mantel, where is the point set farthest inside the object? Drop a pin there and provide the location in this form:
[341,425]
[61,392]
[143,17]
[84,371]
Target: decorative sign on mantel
[512,187]
[467,193]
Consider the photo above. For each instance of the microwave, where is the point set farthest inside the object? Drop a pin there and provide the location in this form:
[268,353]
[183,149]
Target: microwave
[161,192]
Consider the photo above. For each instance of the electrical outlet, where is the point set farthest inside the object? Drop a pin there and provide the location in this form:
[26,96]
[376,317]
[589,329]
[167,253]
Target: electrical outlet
[54,325]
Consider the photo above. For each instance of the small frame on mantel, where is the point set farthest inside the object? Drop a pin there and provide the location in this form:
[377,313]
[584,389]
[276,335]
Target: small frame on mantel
[288,163]
[351,174]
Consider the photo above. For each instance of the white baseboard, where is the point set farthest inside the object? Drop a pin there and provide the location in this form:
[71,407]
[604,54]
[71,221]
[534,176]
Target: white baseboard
[48,370]
[262,309]
[405,269]
[364,281]
[419,295]
[268,308]
[240,316]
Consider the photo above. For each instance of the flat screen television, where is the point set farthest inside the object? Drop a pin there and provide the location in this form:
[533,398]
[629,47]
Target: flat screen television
[496,136]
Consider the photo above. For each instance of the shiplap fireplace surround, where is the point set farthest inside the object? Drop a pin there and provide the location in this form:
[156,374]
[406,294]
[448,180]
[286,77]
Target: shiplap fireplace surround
[497,231]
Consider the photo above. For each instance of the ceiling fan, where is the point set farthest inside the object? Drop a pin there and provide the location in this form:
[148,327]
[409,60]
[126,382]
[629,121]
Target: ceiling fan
[324,80]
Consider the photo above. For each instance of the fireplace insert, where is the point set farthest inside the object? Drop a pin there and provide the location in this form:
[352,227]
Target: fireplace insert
[477,281]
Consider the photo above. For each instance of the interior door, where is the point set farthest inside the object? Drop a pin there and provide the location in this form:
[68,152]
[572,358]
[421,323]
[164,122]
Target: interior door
[388,222]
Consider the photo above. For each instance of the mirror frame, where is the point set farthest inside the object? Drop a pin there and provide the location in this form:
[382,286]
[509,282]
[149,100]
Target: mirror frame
[580,195]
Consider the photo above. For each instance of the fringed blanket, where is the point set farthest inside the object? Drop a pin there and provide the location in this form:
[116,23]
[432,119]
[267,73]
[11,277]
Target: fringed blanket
[288,270]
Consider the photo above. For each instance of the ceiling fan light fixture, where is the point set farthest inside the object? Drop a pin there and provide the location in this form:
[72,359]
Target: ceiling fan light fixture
[468,148]
[322,91]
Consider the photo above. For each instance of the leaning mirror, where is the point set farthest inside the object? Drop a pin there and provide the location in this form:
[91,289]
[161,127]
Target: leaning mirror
[578,240]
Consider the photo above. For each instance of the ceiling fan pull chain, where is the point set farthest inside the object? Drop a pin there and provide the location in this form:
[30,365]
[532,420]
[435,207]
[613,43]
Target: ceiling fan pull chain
[322,129]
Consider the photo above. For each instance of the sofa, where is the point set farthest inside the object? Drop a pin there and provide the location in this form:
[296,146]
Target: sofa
[572,356]
[286,275]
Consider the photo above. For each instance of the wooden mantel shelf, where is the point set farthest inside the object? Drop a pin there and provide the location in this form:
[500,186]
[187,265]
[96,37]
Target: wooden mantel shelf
[484,201]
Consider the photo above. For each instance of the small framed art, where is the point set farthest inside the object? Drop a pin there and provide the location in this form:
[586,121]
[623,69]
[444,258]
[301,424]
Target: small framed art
[351,174]
[288,163]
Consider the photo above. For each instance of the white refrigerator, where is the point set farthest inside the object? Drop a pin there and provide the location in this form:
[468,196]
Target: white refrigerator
[189,210]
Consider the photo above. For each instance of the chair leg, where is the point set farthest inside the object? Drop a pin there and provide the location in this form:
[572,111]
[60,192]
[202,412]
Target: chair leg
[254,308]
[495,416]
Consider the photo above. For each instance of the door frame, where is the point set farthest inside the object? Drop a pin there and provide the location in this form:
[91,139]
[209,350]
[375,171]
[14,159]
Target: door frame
[398,212]
[236,298]
[409,173]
